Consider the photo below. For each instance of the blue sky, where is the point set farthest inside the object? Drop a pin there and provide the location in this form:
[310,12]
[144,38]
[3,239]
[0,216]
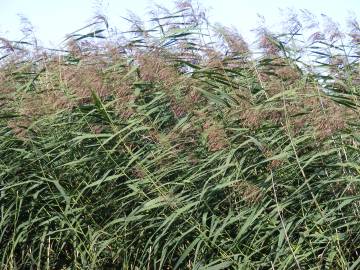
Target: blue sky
[53,19]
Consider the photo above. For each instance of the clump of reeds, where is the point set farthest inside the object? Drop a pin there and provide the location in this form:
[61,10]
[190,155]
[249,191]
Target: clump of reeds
[177,147]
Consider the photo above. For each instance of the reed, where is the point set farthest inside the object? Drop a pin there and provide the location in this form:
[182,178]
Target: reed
[178,146]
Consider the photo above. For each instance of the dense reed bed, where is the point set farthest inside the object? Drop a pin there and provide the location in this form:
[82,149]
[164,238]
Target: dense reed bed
[175,146]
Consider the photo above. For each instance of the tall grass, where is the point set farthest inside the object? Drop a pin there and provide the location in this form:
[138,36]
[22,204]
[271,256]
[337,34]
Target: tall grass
[175,146]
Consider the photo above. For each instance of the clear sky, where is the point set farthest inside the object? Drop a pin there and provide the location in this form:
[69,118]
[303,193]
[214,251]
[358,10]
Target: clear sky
[53,19]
